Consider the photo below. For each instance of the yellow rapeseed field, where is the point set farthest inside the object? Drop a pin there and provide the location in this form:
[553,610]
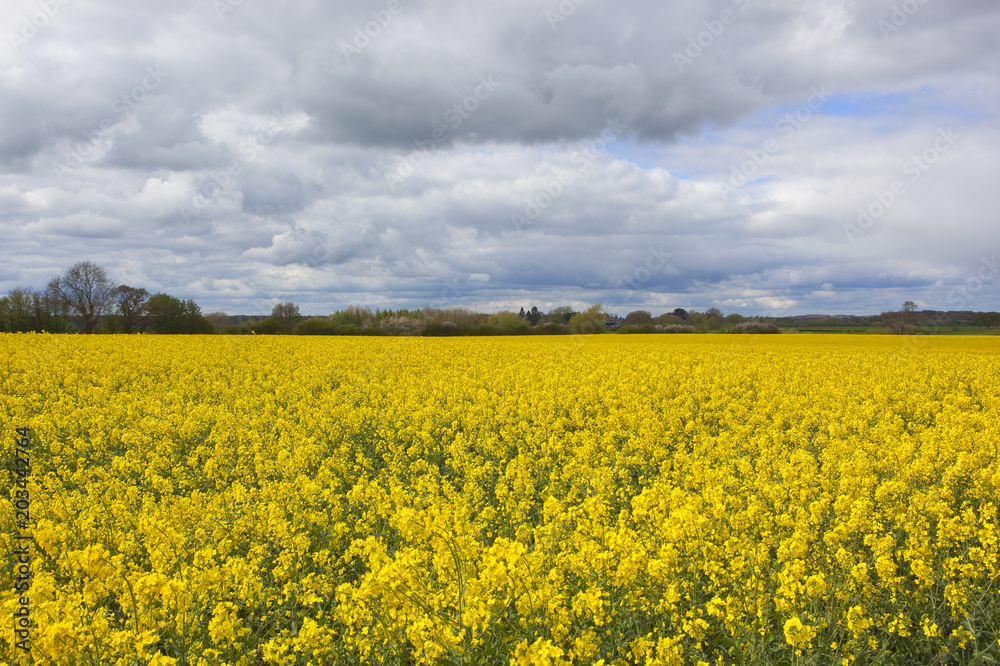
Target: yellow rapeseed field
[531,501]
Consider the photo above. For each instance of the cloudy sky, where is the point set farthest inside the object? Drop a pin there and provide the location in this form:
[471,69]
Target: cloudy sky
[759,156]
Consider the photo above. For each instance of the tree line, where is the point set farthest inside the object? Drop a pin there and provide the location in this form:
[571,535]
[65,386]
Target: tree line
[85,300]
[906,320]
[361,320]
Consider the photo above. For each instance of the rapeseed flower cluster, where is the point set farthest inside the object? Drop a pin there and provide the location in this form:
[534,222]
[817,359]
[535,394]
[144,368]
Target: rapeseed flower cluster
[599,500]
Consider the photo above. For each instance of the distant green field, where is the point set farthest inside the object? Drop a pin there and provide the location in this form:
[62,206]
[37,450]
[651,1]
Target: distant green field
[957,330]
[920,330]
[838,329]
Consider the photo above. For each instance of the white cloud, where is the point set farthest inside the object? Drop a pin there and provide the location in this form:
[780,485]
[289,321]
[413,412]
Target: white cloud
[256,168]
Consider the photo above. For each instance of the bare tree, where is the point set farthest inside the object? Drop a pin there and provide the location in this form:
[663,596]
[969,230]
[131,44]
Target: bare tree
[219,319]
[901,321]
[87,290]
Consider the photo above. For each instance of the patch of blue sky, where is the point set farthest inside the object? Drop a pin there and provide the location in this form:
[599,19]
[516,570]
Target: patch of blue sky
[644,156]
[890,107]
[763,179]
[651,155]
[895,104]
[841,104]
[906,104]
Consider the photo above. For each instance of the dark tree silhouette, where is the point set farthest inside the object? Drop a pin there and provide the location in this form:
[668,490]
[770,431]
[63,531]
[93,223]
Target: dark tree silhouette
[988,319]
[131,309]
[168,314]
[88,292]
[287,317]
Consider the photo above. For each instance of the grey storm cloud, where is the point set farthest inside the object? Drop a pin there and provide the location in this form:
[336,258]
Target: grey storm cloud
[753,155]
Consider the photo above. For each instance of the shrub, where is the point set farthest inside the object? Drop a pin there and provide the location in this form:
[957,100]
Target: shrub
[676,328]
[754,327]
[640,328]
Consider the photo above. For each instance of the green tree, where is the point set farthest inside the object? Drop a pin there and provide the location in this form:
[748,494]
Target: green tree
[287,317]
[988,319]
[668,319]
[362,316]
[15,311]
[170,315]
[534,316]
[24,309]
[506,321]
[699,321]
[112,325]
[317,326]
[592,320]
[560,315]
[195,322]
[638,317]
[164,313]
[50,312]
[714,318]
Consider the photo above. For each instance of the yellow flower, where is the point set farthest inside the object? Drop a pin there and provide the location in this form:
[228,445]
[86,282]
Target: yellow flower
[798,634]
[540,653]
[295,500]
[963,636]
[225,628]
[856,620]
